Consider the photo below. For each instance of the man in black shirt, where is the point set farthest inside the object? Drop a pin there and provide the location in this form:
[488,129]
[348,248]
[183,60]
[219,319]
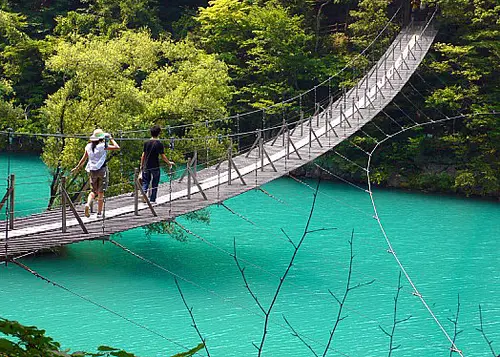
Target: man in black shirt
[150,165]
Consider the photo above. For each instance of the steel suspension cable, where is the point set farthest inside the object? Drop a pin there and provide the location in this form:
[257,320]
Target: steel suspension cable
[389,244]
[101,306]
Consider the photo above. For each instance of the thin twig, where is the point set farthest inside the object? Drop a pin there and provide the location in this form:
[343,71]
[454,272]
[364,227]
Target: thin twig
[296,334]
[190,310]
[247,286]
[484,334]
[321,230]
[455,324]
[344,298]
[395,320]
[288,237]
[297,246]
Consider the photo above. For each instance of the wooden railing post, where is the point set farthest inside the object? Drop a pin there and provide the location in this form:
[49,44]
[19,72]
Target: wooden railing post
[136,191]
[64,227]
[11,201]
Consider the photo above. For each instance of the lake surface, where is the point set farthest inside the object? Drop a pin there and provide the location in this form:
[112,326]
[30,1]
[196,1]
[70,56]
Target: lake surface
[449,246]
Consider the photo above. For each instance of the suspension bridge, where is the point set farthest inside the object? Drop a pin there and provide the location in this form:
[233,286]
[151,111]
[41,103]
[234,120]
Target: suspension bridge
[276,151]
[294,143]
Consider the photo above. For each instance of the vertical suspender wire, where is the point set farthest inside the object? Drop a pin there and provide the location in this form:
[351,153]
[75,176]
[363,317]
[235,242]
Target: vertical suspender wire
[301,116]
[121,162]
[170,191]
[7,205]
[259,135]
[206,143]
[170,175]
[315,101]
[103,213]
[329,90]
[238,131]
[315,96]
[218,184]
[285,127]
[264,123]
[221,159]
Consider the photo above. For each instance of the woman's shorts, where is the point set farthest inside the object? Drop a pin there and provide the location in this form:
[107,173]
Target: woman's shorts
[99,180]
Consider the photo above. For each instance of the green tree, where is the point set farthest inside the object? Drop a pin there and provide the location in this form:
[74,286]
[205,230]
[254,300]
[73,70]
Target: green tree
[127,83]
[369,19]
[21,64]
[110,17]
[467,63]
[265,47]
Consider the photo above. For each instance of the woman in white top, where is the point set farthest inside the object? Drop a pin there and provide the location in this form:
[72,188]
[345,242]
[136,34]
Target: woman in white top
[95,152]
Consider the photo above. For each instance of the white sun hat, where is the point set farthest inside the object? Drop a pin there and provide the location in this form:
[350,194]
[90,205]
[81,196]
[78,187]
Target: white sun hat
[97,135]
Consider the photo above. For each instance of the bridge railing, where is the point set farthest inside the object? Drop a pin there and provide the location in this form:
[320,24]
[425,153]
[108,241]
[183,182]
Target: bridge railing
[283,126]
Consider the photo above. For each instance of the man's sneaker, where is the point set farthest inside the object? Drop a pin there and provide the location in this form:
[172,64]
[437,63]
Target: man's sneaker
[87,211]
[99,215]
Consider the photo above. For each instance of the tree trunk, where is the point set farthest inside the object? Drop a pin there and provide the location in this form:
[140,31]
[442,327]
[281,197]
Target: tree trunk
[318,23]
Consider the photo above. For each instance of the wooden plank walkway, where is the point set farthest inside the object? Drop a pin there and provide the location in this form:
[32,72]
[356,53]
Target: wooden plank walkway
[336,123]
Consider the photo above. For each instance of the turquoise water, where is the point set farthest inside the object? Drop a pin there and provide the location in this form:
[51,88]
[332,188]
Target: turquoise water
[448,245]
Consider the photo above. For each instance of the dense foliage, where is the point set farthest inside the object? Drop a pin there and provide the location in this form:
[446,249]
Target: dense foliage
[17,340]
[68,66]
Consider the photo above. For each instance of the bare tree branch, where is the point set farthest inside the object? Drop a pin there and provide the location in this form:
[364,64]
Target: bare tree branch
[267,313]
[318,23]
[295,333]
[321,230]
[395,320]
[341,303]
[484,334]
[242,271]
[455,330]
[289,239]
[190,310]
